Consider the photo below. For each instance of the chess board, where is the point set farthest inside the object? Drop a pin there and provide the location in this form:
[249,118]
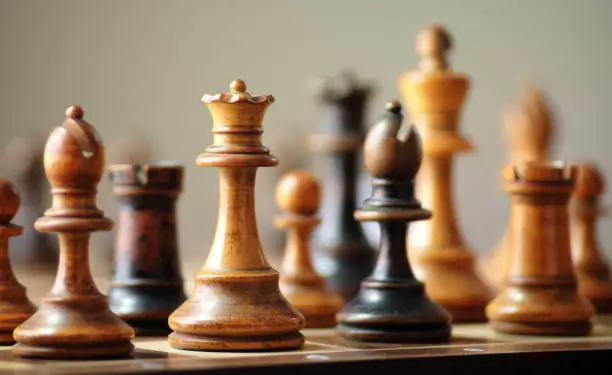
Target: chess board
[474,348]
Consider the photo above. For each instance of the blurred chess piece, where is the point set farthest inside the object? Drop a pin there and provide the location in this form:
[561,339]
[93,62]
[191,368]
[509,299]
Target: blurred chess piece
[592,270]
[442,259]
[24,163]
[529,131]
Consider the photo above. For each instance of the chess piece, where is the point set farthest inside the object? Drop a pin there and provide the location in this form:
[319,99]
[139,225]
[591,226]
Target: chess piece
[343,254]
[33,249]
[74,320]
[434,96]
[540,294]
[529,132]
[147,285]
[15,307]
[592,272]
[236,303]
[392,305]
[298,194]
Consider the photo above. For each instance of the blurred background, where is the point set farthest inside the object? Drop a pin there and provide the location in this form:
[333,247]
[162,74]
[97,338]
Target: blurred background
[139,69]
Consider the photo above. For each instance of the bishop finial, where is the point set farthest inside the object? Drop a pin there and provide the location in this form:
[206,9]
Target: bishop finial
[390,154]
[432,44]
[75,112]
[9,201]
[528,126]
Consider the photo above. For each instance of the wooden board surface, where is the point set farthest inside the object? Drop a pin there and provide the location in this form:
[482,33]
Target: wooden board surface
[154,355]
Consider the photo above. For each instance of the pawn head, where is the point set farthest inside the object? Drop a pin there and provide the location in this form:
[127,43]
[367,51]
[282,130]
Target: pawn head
[298,192]
[589,182]
[74,155]
[9,201]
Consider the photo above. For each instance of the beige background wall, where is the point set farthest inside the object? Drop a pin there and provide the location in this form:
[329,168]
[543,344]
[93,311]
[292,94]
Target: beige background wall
[139,68]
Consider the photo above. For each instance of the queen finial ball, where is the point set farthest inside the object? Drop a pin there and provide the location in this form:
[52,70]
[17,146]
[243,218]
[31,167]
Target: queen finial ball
[238,85]
[9,201]
[298,192]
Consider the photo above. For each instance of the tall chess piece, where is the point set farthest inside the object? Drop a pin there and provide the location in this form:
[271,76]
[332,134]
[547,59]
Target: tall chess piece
[529,133]
[392,305]
[434,95]
[147,285]
[15,307]
[74,320]
[236,303]
[24,161]
[344,256]
[591,268]
[298,194]
[540,294]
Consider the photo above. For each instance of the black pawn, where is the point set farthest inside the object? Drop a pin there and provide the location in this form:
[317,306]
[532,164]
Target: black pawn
[147,285]
[392,305]
[343,254]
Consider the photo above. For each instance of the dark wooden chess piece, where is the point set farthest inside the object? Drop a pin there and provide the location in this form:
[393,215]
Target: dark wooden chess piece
[540,294]
[33,249]
[529,131]
[392,305]
[298,194]
[236,303]
[343,254]
[434,95]
[15,307]
[147,285]
[591,268]
[74,320]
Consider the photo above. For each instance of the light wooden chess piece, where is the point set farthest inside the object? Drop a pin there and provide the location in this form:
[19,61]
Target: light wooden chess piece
[591,268]
[236,303]
[392,305]
[74,320]
[434,95]
[32,250]
[15,307]
[540,294]
[529,133]
[298,193]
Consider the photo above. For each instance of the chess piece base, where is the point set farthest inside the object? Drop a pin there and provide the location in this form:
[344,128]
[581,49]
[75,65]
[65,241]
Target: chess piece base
[579,328]
[453,282]
[243,343]
[115,349]
[393,312]
[422,333]
[149,327]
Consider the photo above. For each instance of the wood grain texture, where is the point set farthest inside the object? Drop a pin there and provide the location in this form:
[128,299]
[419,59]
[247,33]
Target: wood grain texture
[73,319]
[298,194]
[147,284]
[15,307]
[540,294]
[392,305]
[434,96]
[236,303]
